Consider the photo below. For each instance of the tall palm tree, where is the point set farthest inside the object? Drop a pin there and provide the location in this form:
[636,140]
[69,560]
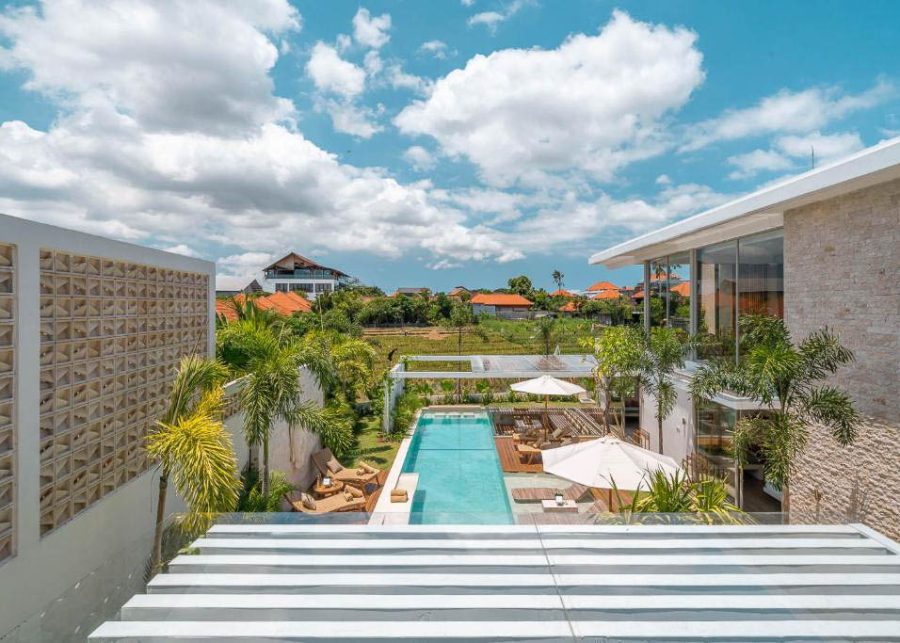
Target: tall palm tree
[271,391]
[663,353]
[545,328]
[558,279]
[192,446]
[786,378]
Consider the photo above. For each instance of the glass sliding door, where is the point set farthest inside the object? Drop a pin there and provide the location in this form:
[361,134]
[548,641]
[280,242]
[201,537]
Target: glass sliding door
[678,307]
[716,272]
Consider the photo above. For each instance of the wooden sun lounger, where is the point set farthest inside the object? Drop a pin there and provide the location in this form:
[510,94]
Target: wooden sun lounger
[348,500]
[573,492]
[328,465]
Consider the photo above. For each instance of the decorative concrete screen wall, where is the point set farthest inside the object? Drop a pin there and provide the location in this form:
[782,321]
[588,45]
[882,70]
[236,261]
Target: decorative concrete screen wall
[112,333]
[7,400]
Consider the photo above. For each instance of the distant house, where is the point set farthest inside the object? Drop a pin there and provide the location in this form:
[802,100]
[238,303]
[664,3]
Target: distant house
[249,289]
[284,303]
[601,286]
[296,273]
[411,292]
[506,306]
[562,292]
[460,293]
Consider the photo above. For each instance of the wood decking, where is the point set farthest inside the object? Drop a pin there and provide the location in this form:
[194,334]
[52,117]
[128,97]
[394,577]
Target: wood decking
[510,461]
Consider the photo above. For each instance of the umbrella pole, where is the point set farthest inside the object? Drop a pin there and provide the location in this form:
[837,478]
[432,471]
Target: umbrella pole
[546,412]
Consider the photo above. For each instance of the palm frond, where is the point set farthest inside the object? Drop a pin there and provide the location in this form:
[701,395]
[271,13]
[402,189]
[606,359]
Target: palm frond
[833,408]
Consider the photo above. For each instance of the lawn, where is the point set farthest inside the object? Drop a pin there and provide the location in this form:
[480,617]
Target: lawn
[369,447]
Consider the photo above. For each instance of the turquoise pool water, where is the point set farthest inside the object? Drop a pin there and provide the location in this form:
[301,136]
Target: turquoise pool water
[460,480]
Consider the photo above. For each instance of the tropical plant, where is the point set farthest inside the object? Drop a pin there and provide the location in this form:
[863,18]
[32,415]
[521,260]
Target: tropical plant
[545,331]
[618,351]
[663,353]
[707,498]
[484,389]
[558,279]
[271,390]
[192,446]
[520,285]
[253,500]
[787,380]
[448,386]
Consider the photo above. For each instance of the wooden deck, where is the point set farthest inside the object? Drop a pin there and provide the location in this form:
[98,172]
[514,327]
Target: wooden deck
[510,461]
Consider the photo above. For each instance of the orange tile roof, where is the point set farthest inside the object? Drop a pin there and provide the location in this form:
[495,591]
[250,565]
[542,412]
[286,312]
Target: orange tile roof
[607,294]
[683,289]
[603,285]
[499,299]
[283,303]
[561,292]
[570,307]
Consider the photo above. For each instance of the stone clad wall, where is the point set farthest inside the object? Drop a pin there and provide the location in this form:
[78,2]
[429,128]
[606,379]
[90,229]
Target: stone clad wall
[842,269]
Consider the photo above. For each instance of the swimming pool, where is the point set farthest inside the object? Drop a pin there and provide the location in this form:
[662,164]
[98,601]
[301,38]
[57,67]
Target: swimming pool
[460,480]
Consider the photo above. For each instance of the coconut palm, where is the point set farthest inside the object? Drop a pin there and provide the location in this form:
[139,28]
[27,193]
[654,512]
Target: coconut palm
[558,279]
[663,353]
[545,331]
[271,391]
[705,499]
[786,379]
[192,446]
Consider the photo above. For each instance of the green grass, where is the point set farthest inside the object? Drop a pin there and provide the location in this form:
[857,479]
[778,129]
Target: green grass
[369,447]
[501,337]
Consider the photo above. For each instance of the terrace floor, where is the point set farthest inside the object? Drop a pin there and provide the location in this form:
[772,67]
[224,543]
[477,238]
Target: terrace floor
[511,461]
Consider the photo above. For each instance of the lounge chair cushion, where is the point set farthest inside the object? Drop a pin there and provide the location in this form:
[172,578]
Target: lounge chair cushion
[354,493]
[308,501]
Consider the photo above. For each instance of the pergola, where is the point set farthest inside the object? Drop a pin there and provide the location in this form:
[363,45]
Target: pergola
[484,367]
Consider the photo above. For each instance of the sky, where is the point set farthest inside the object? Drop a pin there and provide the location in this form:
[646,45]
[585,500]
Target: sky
[413,143]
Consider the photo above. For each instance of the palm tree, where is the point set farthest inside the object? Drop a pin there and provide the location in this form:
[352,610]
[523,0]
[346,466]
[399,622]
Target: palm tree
[706,499]
[558,279]
[786,379]
[545,327]
[271,391]
[618,351]
[192,446]
[663,353]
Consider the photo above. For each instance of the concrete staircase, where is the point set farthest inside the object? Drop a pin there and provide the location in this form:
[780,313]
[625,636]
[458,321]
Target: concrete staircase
[522,583]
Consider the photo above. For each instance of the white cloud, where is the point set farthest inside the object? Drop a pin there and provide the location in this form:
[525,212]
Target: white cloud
[467,3]
[182,249]
[350,118]
[371,31]
[593,104]
[108,55]
[240,184]
[331,73]
[491,19]
[399,79]
[436,48]
[786,112]
[794,152]
[752,163]
[419,158]
[663,179]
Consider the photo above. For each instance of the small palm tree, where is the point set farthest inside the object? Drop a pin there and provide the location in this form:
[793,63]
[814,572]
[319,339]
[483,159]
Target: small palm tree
[192,446]
[618,351]
[663,353]
[705,499]
[558,279]
[785,378]
[545,331]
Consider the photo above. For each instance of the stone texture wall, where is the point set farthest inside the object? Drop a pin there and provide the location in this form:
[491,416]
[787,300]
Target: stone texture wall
[842,269]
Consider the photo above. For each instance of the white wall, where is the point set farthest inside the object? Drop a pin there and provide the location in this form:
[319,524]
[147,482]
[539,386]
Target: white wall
[678,427]
[295,463]
[43,568]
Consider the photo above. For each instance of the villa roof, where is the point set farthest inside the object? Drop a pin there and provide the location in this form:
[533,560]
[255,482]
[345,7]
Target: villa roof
[602,285]
[561,292]
[411,291]
[298,580]
[683,289]
[607,294]
[761,210]
[292,260]
[284,303]
[499,299]
[569,307]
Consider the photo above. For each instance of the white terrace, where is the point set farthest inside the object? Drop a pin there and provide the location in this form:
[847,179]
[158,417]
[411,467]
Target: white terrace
[522,583]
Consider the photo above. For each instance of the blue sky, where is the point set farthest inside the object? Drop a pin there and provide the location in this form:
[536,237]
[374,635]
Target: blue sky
[425,143]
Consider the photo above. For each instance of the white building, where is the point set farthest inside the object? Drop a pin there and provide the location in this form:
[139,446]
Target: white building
[295,272]
[91,331]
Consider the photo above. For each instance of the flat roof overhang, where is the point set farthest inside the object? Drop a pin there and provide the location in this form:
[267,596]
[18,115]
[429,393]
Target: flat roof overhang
[761,210]
[500,367]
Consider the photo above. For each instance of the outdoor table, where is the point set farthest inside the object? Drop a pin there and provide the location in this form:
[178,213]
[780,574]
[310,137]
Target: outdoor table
[322,491]
[568,506]
[528,451]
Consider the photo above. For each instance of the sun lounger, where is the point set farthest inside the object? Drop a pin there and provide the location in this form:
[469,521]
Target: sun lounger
[574,492]
[328,465]
[348,500]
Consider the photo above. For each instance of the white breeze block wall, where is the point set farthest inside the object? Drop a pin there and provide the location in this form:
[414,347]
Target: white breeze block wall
[99,326]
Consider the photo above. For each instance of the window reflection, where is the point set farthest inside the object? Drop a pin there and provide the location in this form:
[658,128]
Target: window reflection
[716,286]
[761,275]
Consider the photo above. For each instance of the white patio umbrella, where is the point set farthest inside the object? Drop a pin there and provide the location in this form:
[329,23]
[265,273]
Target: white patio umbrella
[547,385]
[597,463]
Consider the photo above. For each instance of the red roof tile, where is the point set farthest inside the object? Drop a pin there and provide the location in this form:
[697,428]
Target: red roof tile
[603,285]
[607,294]
[499,299]
[561,293]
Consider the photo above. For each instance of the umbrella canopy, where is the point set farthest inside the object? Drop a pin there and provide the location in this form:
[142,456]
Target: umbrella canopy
[547,385]
[598,463]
